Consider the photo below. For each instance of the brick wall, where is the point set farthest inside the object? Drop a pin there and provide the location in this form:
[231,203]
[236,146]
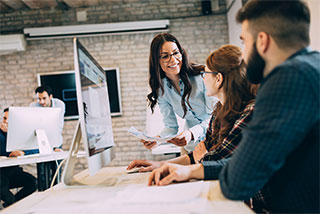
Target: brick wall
[114,11]
[199,35]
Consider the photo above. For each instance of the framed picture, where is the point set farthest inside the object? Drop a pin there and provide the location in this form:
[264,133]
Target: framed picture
[64,88]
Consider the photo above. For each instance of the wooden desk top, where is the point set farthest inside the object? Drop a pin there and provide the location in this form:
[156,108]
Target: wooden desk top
[130,194]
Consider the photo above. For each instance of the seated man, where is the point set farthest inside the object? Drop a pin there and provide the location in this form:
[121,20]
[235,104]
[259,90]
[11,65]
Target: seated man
[13,176]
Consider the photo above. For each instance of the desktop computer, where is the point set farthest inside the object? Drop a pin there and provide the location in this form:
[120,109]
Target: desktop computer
[95,125]
[33,128]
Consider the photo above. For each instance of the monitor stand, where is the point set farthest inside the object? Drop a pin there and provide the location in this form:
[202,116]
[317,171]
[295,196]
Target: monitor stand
[43,142]
[68,177]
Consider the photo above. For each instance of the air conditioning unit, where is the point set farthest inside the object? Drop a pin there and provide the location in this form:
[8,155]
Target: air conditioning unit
[12,43]
[96,29]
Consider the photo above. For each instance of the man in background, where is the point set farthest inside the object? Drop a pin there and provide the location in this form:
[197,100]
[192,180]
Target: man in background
[13,176]
[45,99]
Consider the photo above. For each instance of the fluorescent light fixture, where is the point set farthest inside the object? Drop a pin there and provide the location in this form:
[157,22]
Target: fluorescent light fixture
[95,29]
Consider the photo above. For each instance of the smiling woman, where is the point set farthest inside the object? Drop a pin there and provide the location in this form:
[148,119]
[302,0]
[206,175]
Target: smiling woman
[176,86]
[225,79]
[171,65]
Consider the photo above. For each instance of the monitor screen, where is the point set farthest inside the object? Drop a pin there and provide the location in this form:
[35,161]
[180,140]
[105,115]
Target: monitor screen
[93,106]
[24,121]
[63,87]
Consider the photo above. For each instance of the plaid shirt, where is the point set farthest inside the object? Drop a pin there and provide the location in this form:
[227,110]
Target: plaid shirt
[230,143]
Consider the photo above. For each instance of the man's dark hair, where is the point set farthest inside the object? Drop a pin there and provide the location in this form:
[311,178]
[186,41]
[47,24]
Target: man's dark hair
[287,22]
[43,88]
[5,110]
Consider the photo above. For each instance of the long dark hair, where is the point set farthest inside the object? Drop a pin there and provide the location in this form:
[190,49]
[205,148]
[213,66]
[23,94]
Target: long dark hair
[239,92]
[156,74]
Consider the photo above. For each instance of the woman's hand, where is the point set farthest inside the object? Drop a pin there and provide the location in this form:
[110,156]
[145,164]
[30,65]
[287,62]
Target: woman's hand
[148,144]
[182,139]
[148,165]
[199,151]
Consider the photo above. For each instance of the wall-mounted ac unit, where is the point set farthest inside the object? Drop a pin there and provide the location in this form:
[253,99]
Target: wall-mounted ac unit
[12,43]
[95,29]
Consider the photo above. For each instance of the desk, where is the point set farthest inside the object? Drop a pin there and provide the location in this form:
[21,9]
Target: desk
[44,180]
[29,159]
[130,194]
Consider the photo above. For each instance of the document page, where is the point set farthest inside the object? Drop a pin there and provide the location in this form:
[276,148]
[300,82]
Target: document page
[141,135]
[191,197]
[164,194]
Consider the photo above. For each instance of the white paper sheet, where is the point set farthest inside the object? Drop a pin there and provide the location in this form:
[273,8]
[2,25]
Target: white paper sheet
[191,197]
[141,135]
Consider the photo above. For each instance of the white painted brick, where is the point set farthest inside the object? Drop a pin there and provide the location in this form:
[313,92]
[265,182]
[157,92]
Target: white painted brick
[200,35]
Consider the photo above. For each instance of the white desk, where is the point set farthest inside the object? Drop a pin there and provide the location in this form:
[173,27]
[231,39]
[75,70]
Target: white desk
[130,194]
[29,159]
[43,182]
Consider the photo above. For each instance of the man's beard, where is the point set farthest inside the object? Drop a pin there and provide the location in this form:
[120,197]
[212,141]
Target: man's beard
[255,66]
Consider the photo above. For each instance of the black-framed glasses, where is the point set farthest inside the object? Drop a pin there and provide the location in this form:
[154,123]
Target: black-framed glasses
[167,57]
[207,72]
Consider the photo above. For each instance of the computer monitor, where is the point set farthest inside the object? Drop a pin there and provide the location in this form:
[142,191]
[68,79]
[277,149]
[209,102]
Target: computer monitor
[26,122]
[94,114]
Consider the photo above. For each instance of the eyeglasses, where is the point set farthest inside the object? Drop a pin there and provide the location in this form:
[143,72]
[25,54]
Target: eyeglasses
[167,57]
[207,72]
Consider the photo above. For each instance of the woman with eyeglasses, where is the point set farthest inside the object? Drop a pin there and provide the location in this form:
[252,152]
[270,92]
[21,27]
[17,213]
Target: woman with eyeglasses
[224,78]
[177,87]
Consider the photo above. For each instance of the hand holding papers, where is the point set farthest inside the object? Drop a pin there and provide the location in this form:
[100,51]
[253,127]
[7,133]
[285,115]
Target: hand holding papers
[134,131]
[182,139]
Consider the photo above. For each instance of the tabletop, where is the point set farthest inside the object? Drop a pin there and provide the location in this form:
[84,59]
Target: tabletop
[130,194]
